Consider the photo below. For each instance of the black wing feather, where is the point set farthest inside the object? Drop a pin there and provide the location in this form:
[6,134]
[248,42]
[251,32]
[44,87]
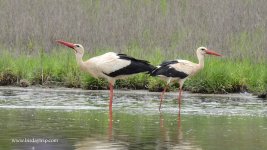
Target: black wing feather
[166,70]
[166,63]
[136,66]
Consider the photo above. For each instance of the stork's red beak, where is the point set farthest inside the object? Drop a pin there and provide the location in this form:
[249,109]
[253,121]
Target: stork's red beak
[70,45]
[210,52]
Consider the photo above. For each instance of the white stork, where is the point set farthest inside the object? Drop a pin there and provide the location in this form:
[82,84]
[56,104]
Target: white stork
[111,66]
[180,70]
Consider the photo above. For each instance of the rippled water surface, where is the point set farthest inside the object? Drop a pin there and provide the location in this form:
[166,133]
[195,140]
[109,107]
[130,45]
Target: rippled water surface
[66,119]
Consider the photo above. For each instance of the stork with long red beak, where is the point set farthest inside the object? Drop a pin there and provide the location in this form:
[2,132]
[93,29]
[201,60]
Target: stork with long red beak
[111,66]
[180,70]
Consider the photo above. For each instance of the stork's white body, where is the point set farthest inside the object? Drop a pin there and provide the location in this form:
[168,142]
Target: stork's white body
[181,70]
[104,64]
[185,66]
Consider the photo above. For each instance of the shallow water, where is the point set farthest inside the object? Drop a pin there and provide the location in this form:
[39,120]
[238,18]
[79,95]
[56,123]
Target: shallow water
[60,119]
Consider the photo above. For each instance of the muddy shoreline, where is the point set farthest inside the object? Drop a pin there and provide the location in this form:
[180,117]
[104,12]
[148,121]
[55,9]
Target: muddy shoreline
[122,91]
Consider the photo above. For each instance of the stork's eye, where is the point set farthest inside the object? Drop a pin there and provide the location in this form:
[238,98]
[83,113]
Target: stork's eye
[77,45]
[202,49]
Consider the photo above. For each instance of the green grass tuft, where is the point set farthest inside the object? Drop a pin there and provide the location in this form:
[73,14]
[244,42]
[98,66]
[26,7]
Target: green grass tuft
[220,75]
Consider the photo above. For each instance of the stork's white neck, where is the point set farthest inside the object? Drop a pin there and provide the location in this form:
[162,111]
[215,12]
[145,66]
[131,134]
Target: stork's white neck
[79,59]
[200,60]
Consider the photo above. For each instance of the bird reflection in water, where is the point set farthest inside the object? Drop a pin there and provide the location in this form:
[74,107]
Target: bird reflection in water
[178,141]
[100,142]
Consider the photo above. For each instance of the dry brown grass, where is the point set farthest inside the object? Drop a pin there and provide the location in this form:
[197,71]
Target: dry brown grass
[238,27]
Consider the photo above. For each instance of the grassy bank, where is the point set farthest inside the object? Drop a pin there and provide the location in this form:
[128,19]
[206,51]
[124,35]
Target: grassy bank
[151,30]
[58,68]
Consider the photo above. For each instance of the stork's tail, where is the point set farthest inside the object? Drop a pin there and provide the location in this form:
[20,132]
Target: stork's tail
[154,72]
[139,64]
[147,67]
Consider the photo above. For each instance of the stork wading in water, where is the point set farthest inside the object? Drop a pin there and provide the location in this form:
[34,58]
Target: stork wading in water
[180,70]
[111,66]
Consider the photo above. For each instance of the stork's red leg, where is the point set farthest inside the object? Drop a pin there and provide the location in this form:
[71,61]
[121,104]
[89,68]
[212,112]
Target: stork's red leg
[110,97]
[110,110]
[110,125]
[179,98]
[161,97]
[179,120]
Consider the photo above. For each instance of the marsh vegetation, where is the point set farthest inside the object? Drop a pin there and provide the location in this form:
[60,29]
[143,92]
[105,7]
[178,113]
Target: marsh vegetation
[151,30]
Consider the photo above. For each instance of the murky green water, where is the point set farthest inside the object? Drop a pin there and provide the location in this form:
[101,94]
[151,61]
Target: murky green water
[65,120]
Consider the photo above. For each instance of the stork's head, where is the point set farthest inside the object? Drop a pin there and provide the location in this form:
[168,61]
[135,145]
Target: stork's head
[77,48]
[204,50]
